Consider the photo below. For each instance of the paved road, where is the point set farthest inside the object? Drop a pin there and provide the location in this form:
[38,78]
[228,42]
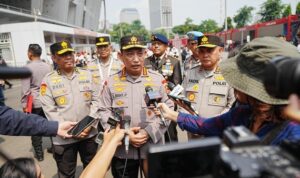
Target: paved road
[21,146]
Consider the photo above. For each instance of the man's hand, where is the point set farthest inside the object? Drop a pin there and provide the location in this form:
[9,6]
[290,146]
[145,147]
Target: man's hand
[64,127]
[138,137]
[84,133]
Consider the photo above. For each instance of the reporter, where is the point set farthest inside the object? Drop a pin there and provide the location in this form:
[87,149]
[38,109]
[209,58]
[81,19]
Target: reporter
[100,163]
[17,123]
[260,112]
[21,168]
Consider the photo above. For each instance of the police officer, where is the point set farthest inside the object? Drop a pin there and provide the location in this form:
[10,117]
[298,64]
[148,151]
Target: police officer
[126,90]
[67,94]
[105,65]
[31,88]
[168,66]
[204,85]
[193,60]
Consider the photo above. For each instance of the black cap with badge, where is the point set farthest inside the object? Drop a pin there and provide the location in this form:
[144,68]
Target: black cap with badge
[103,40]
[61,48]
[209,41]
[132,41]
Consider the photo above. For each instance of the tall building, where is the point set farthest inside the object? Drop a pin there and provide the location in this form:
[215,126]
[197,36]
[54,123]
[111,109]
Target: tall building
[160,14]
[77,13]
[45,22]
[128,15]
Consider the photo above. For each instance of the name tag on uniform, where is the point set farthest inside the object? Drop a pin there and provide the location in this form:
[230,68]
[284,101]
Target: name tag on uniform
[219,83]
[193,81]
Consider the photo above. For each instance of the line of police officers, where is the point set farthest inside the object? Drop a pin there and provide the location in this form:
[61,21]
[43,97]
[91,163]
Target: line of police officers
[71,93]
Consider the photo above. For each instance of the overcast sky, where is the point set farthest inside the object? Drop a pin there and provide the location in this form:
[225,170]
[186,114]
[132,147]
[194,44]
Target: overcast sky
[197,10]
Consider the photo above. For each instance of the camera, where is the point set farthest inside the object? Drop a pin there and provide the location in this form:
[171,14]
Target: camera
[243,156]
[282,77]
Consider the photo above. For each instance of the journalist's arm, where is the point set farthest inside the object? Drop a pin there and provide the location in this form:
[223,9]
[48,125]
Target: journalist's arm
[17,123]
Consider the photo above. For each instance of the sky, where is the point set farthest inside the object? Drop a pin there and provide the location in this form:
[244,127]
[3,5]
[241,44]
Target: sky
[197,10]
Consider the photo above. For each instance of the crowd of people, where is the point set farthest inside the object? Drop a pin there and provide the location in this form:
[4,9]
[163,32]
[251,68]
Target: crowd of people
[223,93]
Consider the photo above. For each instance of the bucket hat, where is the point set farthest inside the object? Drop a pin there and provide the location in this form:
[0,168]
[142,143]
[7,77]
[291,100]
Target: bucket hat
[244,71]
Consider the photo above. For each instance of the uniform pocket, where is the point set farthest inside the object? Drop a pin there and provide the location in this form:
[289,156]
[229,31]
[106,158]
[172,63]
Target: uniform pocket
[218,96]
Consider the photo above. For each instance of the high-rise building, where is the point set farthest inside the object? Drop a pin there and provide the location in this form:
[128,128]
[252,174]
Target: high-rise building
[77,13]
[45,22]
[128,15]
[160,14]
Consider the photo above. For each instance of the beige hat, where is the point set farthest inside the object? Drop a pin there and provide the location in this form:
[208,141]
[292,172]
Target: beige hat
[244,71]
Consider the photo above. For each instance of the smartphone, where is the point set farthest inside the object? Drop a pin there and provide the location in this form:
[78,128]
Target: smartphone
[81,125]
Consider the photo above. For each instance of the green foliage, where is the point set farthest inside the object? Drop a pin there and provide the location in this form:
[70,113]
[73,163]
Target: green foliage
[287,11]
[229,24]
[207,26]
[271,10]
[186,27]
[123,29]
[298,9]
[243,16]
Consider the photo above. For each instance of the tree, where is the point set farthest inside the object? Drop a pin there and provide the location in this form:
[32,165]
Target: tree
[186,27]
[287,11]
[229,24]
[243,16]
[298,9]
[123,29]
[271,10]
[208,26]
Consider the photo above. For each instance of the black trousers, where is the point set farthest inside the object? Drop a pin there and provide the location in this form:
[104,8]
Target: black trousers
[118,166]
[66,156]
[36,141]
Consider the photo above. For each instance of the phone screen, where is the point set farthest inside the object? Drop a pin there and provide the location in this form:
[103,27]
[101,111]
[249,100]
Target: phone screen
[81,125]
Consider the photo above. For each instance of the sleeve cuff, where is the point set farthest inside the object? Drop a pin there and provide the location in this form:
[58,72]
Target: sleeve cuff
[52,128]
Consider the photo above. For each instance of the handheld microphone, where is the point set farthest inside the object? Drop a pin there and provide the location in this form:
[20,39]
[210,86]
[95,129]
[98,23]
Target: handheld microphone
[126,120]
[14,72]
[184,101]
[175,90]
[153,97]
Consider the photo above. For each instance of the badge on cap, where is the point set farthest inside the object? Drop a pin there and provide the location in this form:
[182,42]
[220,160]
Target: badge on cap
[101,39]
[64,45]
[204,40]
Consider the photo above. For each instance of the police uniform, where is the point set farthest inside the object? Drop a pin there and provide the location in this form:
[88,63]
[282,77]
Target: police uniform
[31,87]
[101,71]
[191,62]
[70,99]
[208,91]
[170,68]
[123,91]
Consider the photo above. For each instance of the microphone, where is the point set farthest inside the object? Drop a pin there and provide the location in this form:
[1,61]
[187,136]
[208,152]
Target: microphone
[127,120]
[184,102]
[175,90]
[14,72]
[153,97]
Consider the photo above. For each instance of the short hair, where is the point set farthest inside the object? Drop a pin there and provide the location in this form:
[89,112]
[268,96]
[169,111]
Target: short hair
[11,169]
[35,49]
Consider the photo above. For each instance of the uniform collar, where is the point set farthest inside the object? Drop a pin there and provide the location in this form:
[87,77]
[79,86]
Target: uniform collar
[124,75]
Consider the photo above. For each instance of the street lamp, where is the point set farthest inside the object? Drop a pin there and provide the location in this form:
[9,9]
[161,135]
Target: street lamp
[226,15]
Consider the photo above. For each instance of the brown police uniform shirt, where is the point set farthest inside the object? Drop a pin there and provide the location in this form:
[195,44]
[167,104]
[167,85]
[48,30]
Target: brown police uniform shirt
[208,91]
[116,66]
[158,65]
[122,91]
[69,99]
